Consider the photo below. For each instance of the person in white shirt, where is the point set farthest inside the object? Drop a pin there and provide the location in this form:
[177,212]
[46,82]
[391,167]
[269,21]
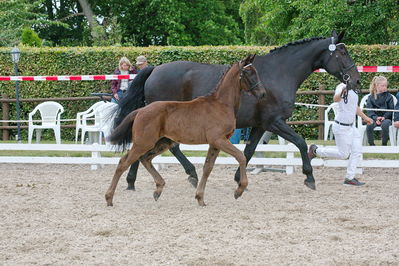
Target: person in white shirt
[347,136]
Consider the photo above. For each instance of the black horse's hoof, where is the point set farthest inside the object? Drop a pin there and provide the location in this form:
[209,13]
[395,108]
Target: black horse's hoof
[193,181]
[310,184]
[156,196]
[131,186]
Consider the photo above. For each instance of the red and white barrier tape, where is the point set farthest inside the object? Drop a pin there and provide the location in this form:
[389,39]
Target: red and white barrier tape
[68,78]
[371,69]
[131,76]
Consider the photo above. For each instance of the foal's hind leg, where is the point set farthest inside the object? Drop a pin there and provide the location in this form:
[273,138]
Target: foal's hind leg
[226,146]
[132,156]
[209,163]
[159,181]
[161,146]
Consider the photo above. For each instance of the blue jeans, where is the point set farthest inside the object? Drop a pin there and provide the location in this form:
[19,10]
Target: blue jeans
[235,139]
[120,95]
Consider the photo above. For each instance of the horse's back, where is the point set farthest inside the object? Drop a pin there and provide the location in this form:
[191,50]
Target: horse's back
[182,81]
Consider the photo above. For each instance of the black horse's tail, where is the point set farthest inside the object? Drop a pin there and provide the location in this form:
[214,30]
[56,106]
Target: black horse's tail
[122,134]
[134,99]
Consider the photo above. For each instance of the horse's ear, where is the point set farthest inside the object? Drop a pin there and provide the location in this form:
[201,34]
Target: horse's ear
[335,36]
[249,59]
[341,36]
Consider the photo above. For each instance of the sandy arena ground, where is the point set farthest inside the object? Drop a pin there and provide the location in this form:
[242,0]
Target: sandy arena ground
[57,215]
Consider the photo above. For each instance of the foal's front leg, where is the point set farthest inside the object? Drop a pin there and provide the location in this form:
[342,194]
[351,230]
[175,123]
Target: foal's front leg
[209,163]
[226,146]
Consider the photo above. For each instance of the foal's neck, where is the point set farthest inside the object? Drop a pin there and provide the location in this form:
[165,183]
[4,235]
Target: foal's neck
[228,91]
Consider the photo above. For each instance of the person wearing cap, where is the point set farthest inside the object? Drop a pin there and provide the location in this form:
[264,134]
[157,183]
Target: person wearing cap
[141,62]
[347,136]
[120,86]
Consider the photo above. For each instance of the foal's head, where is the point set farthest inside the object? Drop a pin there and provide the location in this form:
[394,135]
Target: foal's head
[249,79]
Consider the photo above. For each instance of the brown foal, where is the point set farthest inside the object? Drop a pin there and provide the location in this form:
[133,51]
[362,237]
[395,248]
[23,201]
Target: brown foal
[205,120]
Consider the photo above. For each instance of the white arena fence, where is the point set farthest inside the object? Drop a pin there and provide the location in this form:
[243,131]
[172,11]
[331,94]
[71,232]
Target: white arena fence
[96,160]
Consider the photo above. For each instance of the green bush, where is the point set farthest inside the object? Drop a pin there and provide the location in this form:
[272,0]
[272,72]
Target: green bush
[103,60]
[30,38]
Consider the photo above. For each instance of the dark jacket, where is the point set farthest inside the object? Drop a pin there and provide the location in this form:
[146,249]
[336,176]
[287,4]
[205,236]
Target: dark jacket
[396,114]
[116,84]
[384,101]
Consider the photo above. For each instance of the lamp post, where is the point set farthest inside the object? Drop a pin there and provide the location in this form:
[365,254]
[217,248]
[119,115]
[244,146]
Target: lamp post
[15,55]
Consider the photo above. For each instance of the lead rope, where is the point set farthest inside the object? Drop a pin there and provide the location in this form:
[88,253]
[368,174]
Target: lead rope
[346,78]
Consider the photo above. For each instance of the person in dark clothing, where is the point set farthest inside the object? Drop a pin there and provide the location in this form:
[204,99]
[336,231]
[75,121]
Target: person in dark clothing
[379,98]
[396,116]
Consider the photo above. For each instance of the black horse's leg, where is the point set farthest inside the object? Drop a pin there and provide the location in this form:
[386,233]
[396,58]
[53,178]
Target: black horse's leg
[282,129]
[188,166]
[254,137]
[131,175]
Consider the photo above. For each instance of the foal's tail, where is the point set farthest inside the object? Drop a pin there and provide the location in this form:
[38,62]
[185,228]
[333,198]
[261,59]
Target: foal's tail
[122,134]
[134,97]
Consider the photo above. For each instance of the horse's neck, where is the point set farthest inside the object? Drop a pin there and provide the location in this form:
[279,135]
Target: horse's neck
[229,90]
[295,63]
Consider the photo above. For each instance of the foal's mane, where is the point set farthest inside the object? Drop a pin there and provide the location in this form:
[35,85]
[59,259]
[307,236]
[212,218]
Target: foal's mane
[307,40]
[221,79]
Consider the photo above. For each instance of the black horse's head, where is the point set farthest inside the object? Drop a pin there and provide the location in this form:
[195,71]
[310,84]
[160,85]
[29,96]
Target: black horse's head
[337,61]
[249,78]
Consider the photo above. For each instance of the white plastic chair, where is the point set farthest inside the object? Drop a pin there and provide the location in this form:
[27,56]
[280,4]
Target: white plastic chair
[79,116]
[362,128]
[327,122]
[50,113]
[103,118]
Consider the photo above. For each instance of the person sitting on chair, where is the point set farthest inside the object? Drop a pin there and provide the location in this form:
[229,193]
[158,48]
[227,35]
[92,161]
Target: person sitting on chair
[379,98]
[119,86]
[396,116]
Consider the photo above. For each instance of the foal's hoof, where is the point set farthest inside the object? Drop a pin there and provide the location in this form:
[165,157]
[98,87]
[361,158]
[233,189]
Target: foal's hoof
[193,181]
[237,194]
[156,196]
[310,184]
[130,186]
[108,198]
[200,201]
[109,204]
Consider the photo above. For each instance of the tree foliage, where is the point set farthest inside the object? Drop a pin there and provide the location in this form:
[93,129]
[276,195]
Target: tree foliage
[280,21]
[197,22]
[30,38]
[15,15]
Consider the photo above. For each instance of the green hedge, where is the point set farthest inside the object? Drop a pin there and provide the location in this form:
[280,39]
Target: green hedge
[103,60]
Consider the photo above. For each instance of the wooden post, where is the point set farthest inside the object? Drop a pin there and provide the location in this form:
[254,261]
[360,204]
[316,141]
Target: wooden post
[322,101]
[6,116]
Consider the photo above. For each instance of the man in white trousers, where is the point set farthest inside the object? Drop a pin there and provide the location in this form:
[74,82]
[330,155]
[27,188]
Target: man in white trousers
[347,136]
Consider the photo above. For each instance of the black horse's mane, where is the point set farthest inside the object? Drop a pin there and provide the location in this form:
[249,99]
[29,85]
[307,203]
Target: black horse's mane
[221,79]
[306,40]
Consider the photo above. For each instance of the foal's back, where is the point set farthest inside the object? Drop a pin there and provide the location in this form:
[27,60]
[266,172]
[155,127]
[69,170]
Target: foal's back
[192,122]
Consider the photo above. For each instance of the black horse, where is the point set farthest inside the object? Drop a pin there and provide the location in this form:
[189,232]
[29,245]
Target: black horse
[281,71]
